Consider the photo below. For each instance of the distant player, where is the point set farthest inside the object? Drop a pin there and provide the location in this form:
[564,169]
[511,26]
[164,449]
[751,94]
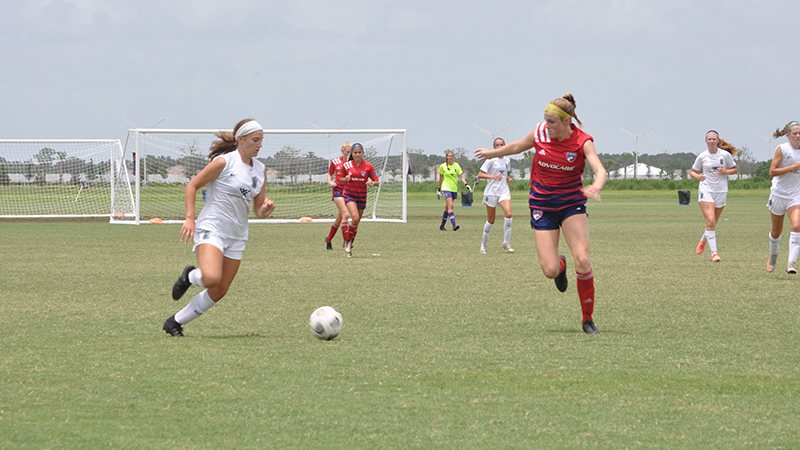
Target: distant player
[496,171]
[235,178]
[449,172]
[712,168]
[358,174]
[784,197]
[558,198]
[335,173]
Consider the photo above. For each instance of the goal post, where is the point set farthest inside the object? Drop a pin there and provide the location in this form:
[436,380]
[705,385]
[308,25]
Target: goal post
[162,161]
[63,178]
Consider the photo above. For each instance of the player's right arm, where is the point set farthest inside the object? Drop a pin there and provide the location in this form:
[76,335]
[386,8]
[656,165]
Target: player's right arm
[512,148]
[207,175]
[774,167]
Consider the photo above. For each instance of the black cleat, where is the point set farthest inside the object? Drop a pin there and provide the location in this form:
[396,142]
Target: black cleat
[182,284]
[561,279]
[328,245]
[172,327]
[455,228]
[441,227]
[589,328]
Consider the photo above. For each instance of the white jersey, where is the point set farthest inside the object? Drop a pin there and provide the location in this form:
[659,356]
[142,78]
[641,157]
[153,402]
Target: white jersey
[787,185]
[500,165]
[229,196]
[708,163]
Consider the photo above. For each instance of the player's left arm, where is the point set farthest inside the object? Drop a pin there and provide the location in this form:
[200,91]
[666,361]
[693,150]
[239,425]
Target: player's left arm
[593,190]
[373,179]
[262,206]
[733,169]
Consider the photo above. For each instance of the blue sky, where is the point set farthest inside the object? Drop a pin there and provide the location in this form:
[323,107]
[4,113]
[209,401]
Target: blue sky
[74,69]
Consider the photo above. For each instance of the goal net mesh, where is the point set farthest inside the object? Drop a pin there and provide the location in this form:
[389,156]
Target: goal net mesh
[161,162]
[62,178]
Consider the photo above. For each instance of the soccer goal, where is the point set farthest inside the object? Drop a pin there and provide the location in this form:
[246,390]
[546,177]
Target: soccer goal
[63,178]
[162,161]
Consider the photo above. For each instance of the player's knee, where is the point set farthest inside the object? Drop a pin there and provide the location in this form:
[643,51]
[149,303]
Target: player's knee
[795,227]
[211,280]
[583,263]
[551,271]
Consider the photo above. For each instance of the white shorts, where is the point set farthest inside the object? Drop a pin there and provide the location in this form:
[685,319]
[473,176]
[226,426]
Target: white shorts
[779,205]
[493,200]
[230,248]
[717,198]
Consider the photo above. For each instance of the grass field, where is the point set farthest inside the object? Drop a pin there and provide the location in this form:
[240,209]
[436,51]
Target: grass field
[442,347]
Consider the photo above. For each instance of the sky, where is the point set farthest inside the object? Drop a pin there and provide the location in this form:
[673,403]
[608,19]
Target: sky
[87,69]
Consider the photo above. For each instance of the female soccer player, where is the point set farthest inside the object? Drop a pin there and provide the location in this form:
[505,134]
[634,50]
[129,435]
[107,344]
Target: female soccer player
[449,172]
[358,174]
[557,198]
[336,171]
[712,168]
[234,178]
[784,197]
[496,171]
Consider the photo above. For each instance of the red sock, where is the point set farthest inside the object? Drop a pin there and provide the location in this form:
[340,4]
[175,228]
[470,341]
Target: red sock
[334,227]
[586,294]
[353,232]
[346,232]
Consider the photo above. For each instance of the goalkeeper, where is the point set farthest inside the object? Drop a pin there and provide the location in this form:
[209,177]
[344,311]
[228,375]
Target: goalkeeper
[449,173]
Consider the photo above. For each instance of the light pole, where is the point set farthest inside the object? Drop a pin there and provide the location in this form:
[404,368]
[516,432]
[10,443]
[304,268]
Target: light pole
[636,152]
[767,139]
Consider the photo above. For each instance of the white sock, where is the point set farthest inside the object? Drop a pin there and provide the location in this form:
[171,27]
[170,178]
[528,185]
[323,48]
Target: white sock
[794,246]
[711,239]
[199,305]
[487,228]
[196,277]
[507,230]
[773,244]
[703,237]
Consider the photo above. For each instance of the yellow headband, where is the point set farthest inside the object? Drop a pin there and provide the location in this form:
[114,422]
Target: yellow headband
[556,110]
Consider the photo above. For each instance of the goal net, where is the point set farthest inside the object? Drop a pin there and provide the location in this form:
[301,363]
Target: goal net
[63,178]
[162,161]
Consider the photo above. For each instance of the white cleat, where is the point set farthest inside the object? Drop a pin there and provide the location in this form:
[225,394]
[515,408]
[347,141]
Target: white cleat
[508,248]
[483,250]
[791,268]
[773,259]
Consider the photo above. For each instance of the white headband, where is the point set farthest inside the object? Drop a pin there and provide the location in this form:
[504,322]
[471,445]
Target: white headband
[248,127]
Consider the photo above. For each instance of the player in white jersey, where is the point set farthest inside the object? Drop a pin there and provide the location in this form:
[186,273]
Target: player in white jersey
[496,172]
[712,168]
[784,197]
[235,178]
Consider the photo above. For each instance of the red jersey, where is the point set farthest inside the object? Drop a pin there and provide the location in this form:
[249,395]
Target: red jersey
[336,169]
[557,169]
[357,186]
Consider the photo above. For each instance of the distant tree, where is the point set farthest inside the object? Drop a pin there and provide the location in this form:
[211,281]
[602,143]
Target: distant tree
[61,157]
[45,156]
[745,161]
[762,170]
[626,158]
[419,164]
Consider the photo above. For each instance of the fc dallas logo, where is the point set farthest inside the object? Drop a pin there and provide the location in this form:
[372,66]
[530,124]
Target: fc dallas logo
[537,214]
[571,156]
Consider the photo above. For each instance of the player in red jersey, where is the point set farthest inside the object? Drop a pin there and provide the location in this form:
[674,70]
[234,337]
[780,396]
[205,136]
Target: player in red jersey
[558,198]
[335,172]
[358,175]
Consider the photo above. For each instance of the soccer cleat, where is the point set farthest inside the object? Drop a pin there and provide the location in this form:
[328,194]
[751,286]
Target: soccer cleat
[773,259]
[455,228]
[172,327]
[715,258]
[561,279]
[590,328]
[508,248]
[441,227]
[791,268]
[483,250]
[701,247]
[182,284]
[328,245]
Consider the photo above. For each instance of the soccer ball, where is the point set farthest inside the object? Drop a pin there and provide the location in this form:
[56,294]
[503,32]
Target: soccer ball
[326,323]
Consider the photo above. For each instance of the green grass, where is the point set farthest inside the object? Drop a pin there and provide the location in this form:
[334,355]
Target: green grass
[441,348]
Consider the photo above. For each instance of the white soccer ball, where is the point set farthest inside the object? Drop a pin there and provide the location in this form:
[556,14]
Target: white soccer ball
[326,323]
